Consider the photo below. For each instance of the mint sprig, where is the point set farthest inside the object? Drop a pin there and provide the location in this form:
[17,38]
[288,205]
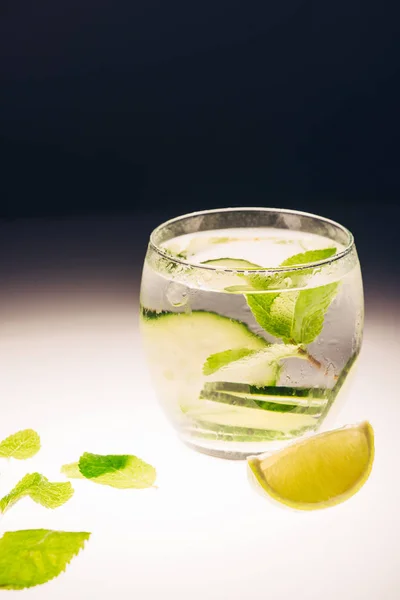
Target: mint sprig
[296,317]
[221,359]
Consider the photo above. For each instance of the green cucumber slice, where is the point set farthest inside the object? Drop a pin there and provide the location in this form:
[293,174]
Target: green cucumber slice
[242,416]
[232,263]
[253,401]
[286,392]
[178,344]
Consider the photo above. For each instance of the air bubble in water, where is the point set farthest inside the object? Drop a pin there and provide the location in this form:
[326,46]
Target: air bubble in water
[287,282]
[177,294]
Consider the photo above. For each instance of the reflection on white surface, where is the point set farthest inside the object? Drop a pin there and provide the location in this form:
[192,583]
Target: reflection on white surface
[74,372]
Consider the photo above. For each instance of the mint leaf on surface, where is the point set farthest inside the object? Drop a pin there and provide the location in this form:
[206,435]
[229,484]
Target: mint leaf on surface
[40,489]
[121,471]
[34,556]
[293,316]
[72,471]
[117,470]
[93,466]
[20,445]
[221,359]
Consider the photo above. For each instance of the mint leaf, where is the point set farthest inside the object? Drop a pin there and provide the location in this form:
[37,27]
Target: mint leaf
[295,317]
[260,281]
[262,307]
[34,556]
[20,445]
[277,352]
[260,367]
[96,465]
[311,307]
[40,489]
[308,257]
[117,470]
[121,471]
[221,359]
[72,471]
[290,279]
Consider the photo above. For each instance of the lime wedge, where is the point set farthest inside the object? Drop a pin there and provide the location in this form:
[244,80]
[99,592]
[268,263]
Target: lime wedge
[318,472]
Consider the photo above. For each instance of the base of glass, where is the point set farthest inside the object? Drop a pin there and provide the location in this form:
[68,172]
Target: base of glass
[226,454]
[232,450]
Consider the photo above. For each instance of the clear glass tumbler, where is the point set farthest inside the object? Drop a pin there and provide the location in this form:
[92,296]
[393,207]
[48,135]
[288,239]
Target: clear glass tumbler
[252,320]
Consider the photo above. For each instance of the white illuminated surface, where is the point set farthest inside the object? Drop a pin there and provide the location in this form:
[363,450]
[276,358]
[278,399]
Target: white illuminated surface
[75,373]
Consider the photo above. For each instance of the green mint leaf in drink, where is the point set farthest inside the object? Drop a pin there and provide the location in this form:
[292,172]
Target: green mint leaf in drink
[275,319]
[220,359]
[40,489]
[311,256]
[256,367]
[260,281]
[296,316]
[290,279]
[21,445]
[34,556]
[122,471]
[311,307]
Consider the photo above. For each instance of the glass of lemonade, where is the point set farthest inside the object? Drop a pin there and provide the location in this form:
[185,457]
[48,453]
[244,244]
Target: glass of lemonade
[251,320]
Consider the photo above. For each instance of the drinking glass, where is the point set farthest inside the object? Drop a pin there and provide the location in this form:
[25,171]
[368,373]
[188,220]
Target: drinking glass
[251,320]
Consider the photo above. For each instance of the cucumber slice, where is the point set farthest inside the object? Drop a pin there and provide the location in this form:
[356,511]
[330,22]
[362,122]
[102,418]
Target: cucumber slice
[232,263]
[178,344]
[242,416]
[284,392]
[266,403]
[293,401]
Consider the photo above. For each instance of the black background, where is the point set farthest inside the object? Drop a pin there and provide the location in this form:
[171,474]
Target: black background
[130,106]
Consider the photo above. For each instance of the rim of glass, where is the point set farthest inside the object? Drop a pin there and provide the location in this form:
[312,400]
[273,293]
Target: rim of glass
[348,248]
